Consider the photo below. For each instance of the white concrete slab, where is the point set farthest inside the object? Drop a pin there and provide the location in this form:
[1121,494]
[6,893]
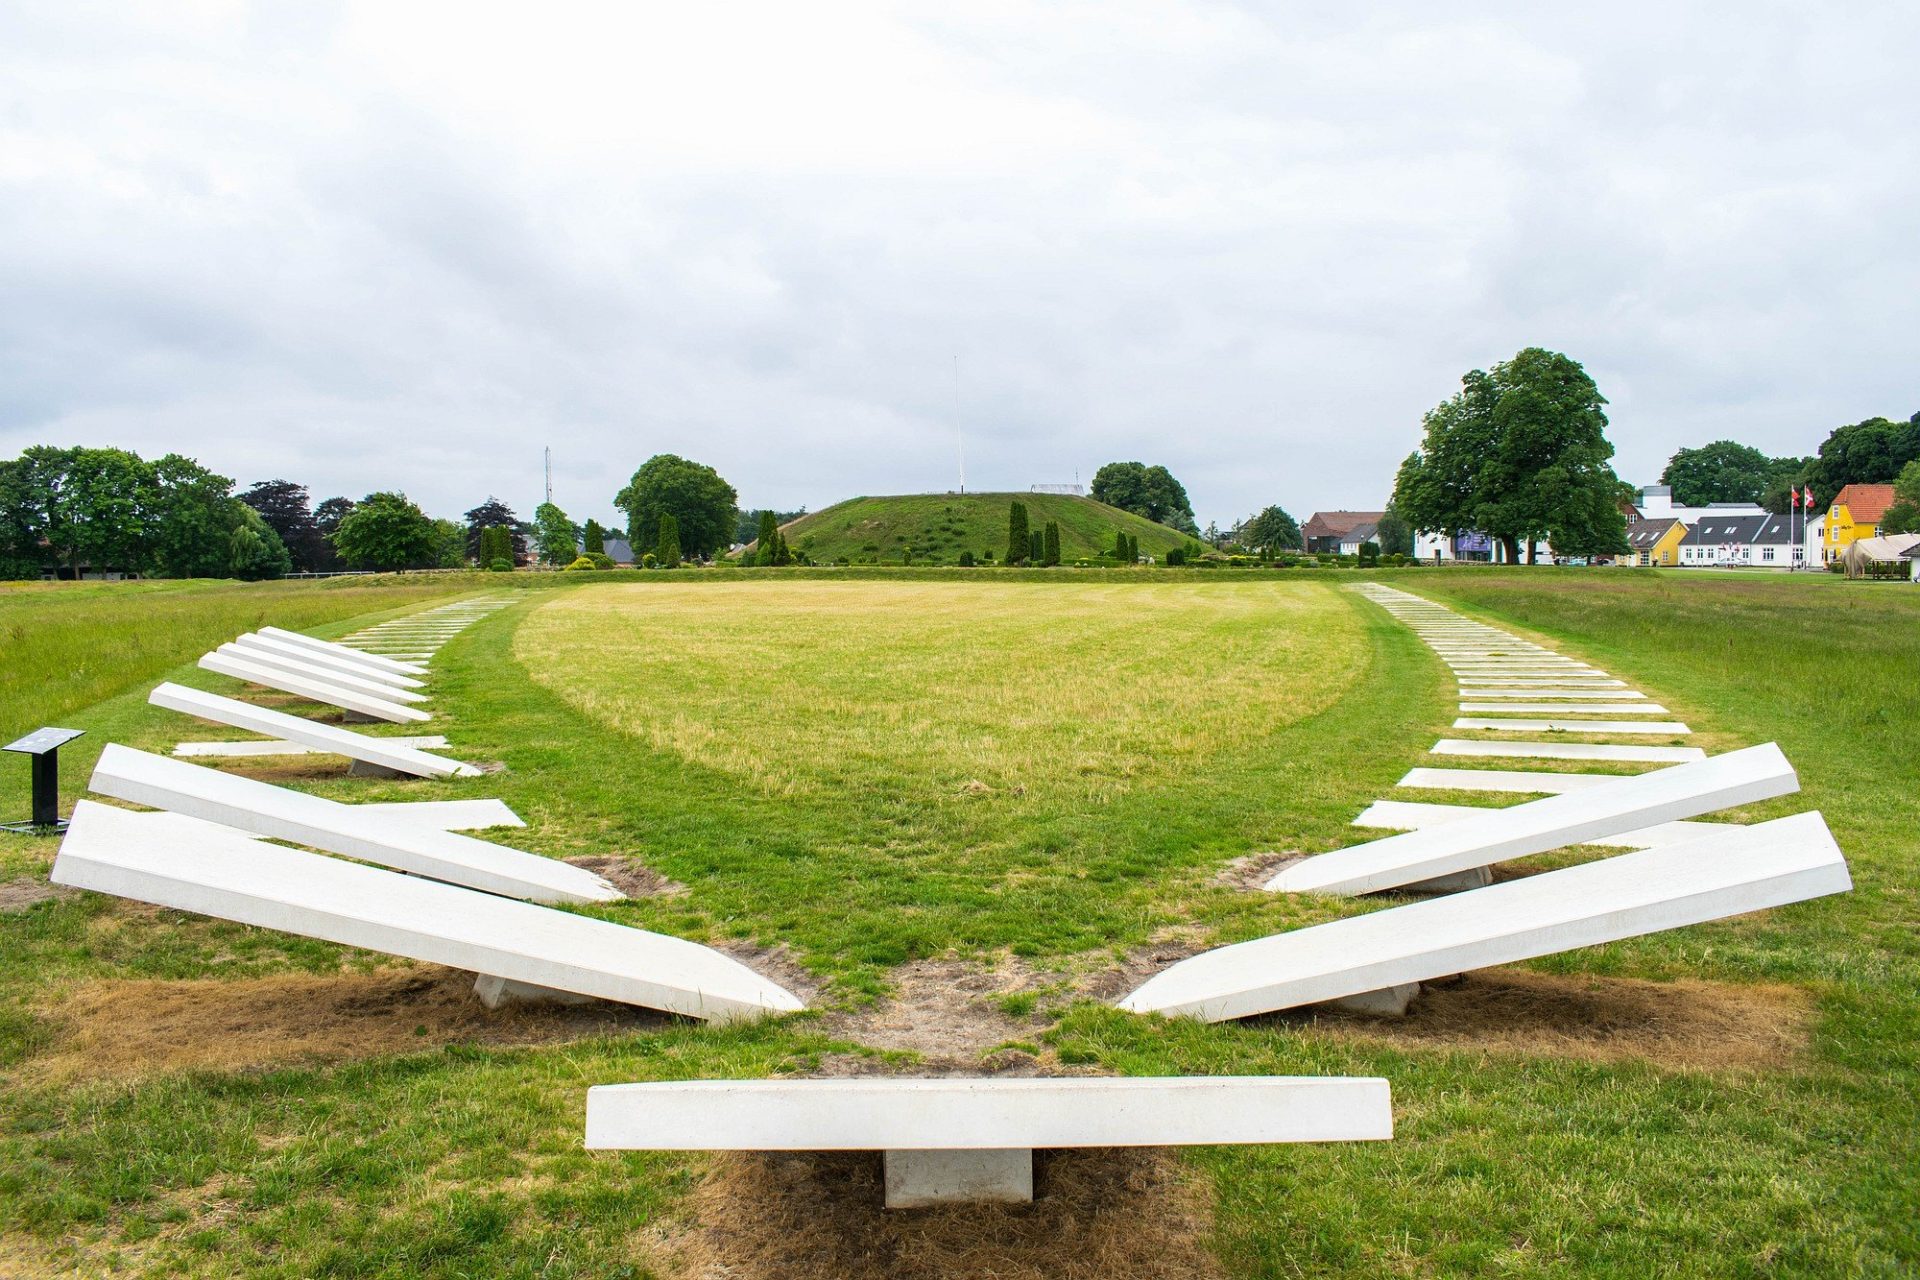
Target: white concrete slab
[989,1127]
[339,650]
[267,645]
[1407,815]
[326,675]
[1507,780]
[1577,817]
[1656,728]
[448,815]
[1549,708]
[130,855]
[368,834]
[398,754]
[1740,870]
[1540,682]
[241,749]
[1558,695]
[312,689]
[1568,751]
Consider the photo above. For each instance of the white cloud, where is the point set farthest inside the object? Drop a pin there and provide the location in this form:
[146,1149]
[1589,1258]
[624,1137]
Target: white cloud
[386,245]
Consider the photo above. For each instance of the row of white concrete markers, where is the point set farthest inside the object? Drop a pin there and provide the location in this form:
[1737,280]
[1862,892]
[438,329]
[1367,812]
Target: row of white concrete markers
[400,879]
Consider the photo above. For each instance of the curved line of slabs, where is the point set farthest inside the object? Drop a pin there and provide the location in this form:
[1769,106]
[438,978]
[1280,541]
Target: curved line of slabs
[418,888]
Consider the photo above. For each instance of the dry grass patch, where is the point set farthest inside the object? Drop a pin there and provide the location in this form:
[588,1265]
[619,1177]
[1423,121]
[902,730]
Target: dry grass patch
[1098,1214]
[120,1029]
[1689,1024]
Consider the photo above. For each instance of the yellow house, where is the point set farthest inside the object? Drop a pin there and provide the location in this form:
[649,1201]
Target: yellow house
[1654,542]
[1855,514]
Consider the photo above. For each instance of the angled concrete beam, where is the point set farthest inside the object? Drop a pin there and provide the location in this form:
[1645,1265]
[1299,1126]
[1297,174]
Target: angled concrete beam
[312,688]
[1731,873]
[326,675]
[1577,817]
[152,858]
[284,814]
[401,755]
[1407,815]
[326,661]
[340,651]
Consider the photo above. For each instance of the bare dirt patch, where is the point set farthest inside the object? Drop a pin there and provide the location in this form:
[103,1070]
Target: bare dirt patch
[1252,871]
[1168,946]
[1688,1024]
[1098,1214]
[628,876]
[778,964]
[948,1007]
[17,895]
[122,1028]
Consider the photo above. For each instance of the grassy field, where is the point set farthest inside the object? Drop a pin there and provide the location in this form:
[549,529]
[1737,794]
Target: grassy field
[963,813]
[939,526]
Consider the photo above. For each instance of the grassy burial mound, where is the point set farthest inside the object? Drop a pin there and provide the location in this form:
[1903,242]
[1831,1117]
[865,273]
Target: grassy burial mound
[937,527]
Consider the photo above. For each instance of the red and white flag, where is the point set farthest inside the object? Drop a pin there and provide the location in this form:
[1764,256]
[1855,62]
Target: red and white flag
[1793,498]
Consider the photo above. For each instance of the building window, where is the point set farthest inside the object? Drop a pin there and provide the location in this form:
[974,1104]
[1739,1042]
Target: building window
[1766,553]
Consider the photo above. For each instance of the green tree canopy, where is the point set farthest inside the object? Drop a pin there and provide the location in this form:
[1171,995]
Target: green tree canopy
[1394,534]
[285,506]
[1272,530]
[593,539]
[704,506]
[1726,471]
[254,550]
[1019,543]
[194,519]
[554,535]
[494,514]
[1146,491]
[386,531]
[1870,452]
[1519,453]
[1904,515]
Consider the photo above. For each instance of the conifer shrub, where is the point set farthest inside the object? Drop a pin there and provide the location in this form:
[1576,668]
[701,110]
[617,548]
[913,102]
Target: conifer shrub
[1176,556]
[966,559]
[667,552]
[1051,544]
[1019,543]
[501,566]
[581,562]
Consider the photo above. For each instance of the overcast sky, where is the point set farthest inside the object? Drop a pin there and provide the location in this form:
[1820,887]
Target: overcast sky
[824,247]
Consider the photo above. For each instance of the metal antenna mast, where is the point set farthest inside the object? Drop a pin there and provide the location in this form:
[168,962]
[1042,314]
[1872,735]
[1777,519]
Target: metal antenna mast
[959,436]
[549,453]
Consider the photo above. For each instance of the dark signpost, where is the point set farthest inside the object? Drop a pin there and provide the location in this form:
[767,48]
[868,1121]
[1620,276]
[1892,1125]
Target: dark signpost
[44,746]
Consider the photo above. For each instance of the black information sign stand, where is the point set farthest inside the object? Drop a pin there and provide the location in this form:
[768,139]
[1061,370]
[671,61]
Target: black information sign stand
[44,746]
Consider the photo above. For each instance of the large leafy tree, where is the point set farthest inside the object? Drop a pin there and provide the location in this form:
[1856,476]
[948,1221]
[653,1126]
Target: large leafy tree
[105,509]
[1727,471]
[1272,530]
[1520,453]
[386,531]
[704,507]
[326,519]
[1146,491]
[554,534]
[254,549]
[1904,515]
[1870,452]
[285,507]
[1394,534]
[494,514]
[193,520]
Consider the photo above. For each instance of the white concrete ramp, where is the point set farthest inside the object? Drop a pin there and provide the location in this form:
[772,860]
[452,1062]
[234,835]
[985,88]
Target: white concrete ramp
[1389,952]
[1613,751]
[312,688]
[327,675]
[347,652]
[519,948]
[267,646]
[1577,817]
[369,834]
[973,1139]
[400,755]
[1409,815]
[1511,781]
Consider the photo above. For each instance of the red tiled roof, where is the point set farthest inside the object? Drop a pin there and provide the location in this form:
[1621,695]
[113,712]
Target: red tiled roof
[1334,524]
[1865,502]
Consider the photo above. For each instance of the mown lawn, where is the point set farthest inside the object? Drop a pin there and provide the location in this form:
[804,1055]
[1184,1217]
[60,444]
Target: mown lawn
[880,778]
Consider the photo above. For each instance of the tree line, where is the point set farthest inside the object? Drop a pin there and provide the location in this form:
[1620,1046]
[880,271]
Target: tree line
[1873,451]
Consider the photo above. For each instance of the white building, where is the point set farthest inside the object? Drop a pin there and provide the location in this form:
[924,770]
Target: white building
[1655,502]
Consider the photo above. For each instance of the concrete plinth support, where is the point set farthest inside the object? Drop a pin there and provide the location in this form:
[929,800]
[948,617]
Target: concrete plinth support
[367,769]
[1456,882]
[495,992]
[998,1175]
[1390,1002]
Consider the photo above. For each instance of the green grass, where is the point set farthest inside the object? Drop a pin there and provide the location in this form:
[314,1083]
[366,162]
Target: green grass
[939,526]
[798,754]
